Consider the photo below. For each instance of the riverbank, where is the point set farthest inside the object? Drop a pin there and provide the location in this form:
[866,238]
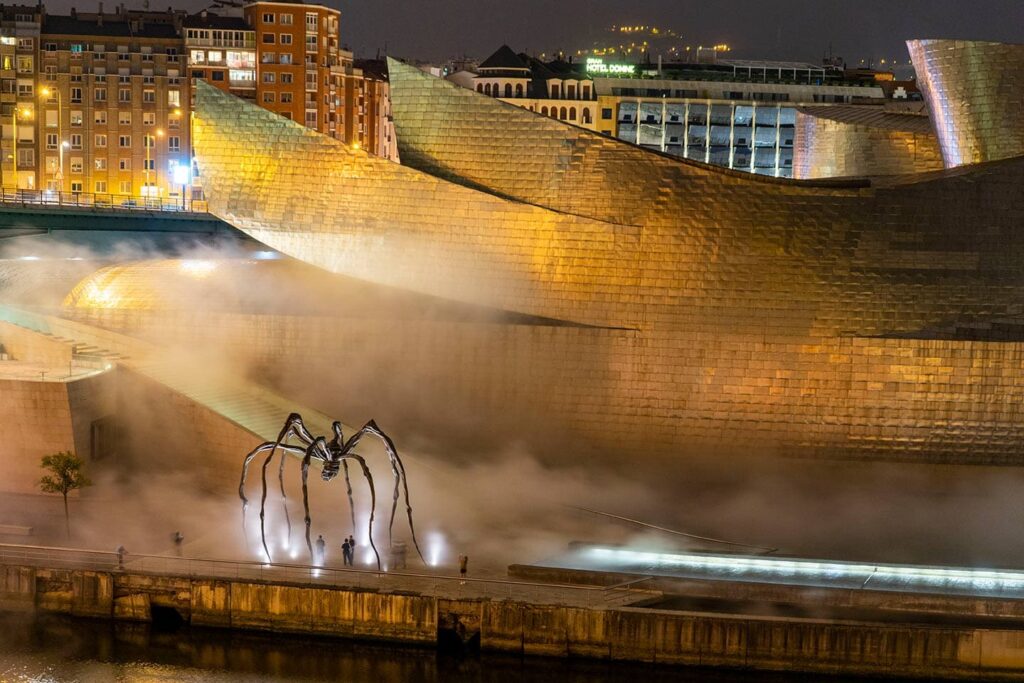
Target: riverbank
[496,616]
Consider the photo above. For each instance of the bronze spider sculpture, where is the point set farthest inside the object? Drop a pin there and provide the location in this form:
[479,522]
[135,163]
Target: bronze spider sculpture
[333,456]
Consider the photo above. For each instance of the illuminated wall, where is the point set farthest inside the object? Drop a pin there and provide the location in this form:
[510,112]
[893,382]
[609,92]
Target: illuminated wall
[975,91]
[835,142]
[724,310]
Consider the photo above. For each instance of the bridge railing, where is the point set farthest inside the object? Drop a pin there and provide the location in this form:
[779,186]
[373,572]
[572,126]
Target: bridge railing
[93,200]
[366,577]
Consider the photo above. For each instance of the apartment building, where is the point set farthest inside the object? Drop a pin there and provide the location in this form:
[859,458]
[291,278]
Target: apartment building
[112,104]
[298,62]
[98,103]
[221,50]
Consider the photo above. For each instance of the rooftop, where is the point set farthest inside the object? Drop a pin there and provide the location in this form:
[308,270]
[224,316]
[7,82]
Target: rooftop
[119,25]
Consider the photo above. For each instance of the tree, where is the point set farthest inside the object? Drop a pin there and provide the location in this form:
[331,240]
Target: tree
[65,476]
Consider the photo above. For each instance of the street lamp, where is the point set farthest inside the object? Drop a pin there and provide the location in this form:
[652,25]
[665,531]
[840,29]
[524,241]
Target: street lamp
[159,133]
[47,92]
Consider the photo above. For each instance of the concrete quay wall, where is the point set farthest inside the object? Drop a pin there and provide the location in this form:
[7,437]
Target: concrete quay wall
[626,634]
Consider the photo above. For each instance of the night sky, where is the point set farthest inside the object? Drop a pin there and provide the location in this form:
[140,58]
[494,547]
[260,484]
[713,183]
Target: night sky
[770,29]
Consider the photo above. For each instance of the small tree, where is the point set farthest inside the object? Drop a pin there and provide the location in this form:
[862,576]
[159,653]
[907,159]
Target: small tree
[65,476]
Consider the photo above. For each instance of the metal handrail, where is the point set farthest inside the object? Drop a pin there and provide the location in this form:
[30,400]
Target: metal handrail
[217,568]
[93,200]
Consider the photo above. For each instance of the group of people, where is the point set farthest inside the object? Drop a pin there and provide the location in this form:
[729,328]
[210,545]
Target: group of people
[348,550]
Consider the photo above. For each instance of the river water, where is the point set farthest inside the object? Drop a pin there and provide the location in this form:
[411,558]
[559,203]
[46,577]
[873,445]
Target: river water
[45,649]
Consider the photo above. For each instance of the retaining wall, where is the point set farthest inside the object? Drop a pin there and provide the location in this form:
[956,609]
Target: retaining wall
[628,634]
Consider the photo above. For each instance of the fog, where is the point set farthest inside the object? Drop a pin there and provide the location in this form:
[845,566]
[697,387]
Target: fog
[481,484]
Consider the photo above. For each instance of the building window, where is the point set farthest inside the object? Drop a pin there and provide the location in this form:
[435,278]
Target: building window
[76,141]
[173,143]
[286,79]
[286,98]
[199,74]
[25,65]
[173,122]
[99,94]
[148,118]
[149,164]
[311,21]
[586,115]
[50,47]
[124,118]
[215,56]
[217,75]
[101,186]
[286,58]
[25,89]
[101,140]
[268,39]
[148,141]
[555,91]
[26,158]
[51,141]
[76,165]
[174,98]
[480,87]
[25,43]
[125,142]
[544,111]
[508,90]
[268,77]
[52,165]
[149,96]
[606,113]
[572,113]
[519,89]
[98,117]
[562,114]
[124,95]
[311,43]
[311,119]
[126,187]
[586,92]
[570,92]
[100,163]
[268,98]
[76,186]
[76,95]
[286,19]
[268,18]
[124,164]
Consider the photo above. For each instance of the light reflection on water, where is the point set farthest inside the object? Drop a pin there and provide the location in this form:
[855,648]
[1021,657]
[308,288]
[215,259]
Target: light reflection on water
[50,649]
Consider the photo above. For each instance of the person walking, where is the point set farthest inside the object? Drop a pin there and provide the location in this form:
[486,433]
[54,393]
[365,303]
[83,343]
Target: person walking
[346,553]
[351,550]
[463,563]
[321,549]
[121,552]
[178,540]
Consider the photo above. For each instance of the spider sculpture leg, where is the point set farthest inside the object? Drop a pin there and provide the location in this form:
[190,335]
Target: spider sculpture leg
[319,450]
[268,446]
[337,443]
[397,469]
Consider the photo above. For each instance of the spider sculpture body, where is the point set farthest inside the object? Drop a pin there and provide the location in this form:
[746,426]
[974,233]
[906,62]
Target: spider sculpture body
[333,456]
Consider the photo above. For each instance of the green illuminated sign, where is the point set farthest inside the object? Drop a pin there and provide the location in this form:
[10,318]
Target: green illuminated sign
[597,66]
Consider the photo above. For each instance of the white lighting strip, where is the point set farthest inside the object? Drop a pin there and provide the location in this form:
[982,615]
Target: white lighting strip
[765,568]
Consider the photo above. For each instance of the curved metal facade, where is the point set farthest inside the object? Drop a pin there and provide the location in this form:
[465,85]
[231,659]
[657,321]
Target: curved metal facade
[700,308]
[975,91]
[831,144]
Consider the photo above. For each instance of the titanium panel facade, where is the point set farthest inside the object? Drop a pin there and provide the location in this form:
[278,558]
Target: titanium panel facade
[831,144]
[726,311]
[975,91]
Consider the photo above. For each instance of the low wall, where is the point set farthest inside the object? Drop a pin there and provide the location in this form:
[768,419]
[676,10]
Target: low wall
[627,634]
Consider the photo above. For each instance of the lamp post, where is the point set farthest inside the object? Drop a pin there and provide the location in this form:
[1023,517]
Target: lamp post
[158,133]
[25,114]
[46,92]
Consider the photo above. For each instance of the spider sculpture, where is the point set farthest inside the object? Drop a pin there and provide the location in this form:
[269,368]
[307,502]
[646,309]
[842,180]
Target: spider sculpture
[333,456]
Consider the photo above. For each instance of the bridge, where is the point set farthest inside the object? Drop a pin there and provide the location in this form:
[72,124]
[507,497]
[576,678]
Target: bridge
[34,212]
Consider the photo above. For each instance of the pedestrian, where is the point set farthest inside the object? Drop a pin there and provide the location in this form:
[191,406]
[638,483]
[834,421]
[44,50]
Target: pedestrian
[463,562]
[178,540]
[351,549]
[121,552]
[346,553]
[321,546]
